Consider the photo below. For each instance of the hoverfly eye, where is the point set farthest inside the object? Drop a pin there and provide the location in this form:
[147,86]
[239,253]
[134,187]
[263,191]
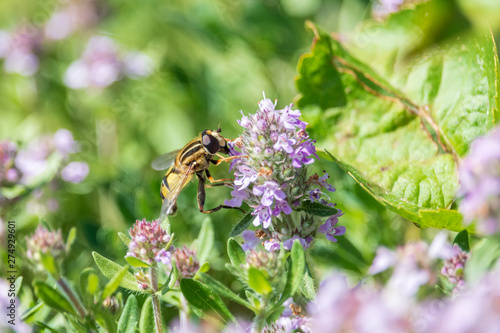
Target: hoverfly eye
[211,143]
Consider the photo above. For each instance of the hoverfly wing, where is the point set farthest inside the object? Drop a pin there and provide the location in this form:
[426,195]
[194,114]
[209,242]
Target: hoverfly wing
[164,161]
[176,182]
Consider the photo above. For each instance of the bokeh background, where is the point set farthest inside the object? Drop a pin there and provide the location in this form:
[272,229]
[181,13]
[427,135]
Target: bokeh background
[132,80]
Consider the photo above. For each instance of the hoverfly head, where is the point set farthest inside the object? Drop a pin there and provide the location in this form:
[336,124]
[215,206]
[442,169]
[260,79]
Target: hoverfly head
[210,141]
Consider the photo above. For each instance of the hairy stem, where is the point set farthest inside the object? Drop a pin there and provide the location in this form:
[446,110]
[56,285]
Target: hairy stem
[72,297]
[153,272]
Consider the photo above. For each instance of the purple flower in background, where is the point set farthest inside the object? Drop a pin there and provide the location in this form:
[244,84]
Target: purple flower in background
[272,177]
[75,172]
[19,49]
[101,65]
[77,15]
[480,183]
[382,8]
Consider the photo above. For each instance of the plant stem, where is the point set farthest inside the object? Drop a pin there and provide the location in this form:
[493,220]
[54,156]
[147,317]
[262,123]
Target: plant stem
[153,272]
[260,320]
[72,297]
[183,313]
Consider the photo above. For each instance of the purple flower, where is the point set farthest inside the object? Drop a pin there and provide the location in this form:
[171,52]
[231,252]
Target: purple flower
[101,65]
[454,266]
[149,241]
[75,172]
[63,140]
[330,229]
[269,191]
[19,49]
[302,152]
[164,256]
[269,176]
[287,245]
[77,15]
[272,245]
[480,183]
[250,240]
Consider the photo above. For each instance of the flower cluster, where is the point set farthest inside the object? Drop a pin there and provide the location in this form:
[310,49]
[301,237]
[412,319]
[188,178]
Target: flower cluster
[454,266]
[186,261]
[414,263]
[272,178]
[19,48]
[101,64]
[268,263]
[42,242]
[480,183]
[77,15]
[150,243]
[38,164]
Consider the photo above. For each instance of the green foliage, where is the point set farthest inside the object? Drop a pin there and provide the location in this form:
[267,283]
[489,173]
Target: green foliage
[462,240]
[315,208]
[53,298]
[202,298]
[400,142]
[147,322]
[109,269]
[129,317]
[242,225]
[205,241]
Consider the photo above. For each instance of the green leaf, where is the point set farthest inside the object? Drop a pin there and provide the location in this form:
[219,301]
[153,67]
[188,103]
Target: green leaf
[296,270]
[235,253]
[50,264]
[485,256]
[204,268]
[53,298]
[47,327]
[114,283]
[125,239]
[258,281]
[205,240]
[106,320]
[147,322]
[242,225]
[462,240]
[109,269]
[204,299]
[307,287]
[71,239]
[401,141]
[89,283]
[29,313]
[134,262]
[129,317]
[315,208]
[320,84]
[223,290]
[174,275]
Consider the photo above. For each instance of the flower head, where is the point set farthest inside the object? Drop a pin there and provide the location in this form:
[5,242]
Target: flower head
[149,242]
[186,261]
[272,177]
[454,266]
[42,242]
[480,183]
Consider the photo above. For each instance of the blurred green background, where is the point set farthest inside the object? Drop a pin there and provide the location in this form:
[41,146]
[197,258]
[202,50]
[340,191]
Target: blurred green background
[208,60]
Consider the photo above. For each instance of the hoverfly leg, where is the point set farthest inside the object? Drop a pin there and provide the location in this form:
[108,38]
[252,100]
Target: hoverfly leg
[201,198]
[225,181]
[226,159]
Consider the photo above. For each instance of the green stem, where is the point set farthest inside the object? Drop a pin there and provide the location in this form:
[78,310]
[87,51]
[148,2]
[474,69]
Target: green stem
[153,272]
[72,297]
[183,314]
[260,320]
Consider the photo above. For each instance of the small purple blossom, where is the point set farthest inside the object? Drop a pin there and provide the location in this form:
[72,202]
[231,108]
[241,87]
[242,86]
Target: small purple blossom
[272,245]
[330,228]
[250,240]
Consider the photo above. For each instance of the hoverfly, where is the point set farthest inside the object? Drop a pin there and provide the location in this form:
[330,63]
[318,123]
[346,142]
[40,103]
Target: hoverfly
[193,159]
